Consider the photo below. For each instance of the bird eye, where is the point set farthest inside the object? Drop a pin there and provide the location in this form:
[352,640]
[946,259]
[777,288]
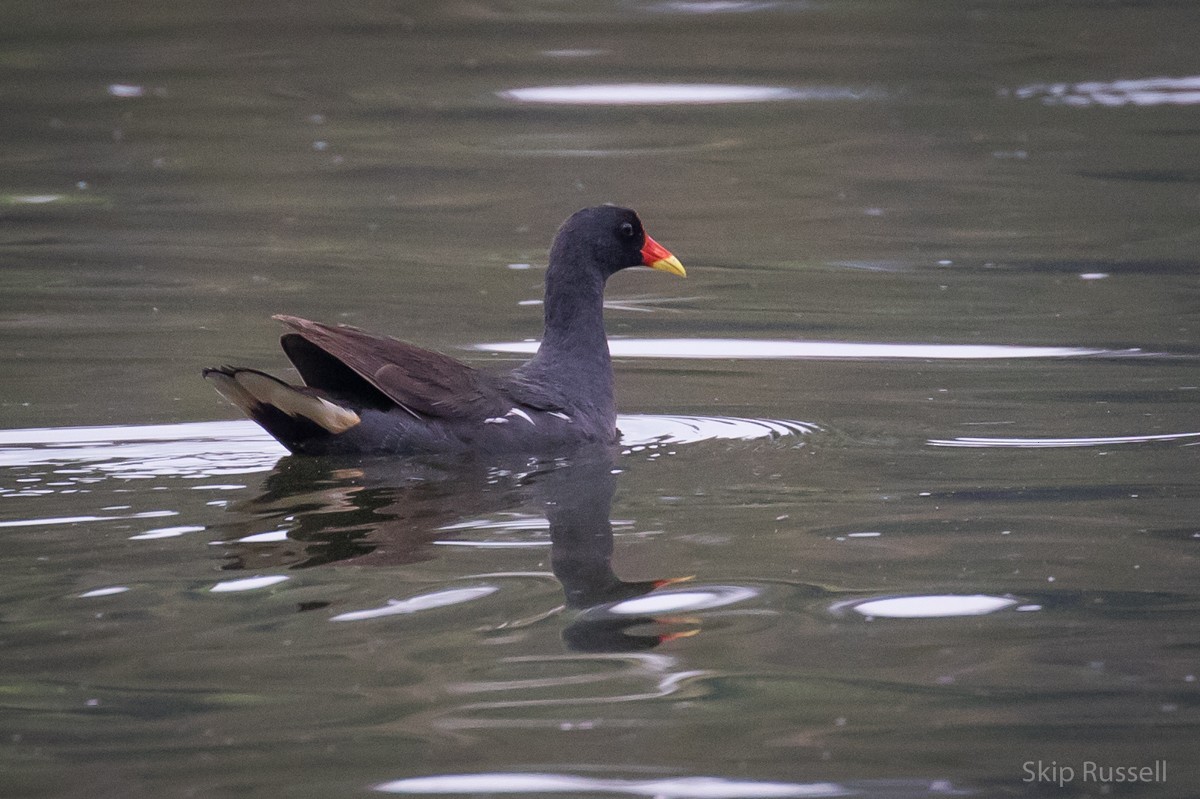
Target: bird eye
[627,229]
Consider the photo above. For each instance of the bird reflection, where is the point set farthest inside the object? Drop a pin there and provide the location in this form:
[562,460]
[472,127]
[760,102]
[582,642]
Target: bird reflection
[388,512]
[578,503]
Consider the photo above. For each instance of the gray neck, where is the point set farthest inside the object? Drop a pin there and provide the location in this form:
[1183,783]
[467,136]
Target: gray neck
[574,350]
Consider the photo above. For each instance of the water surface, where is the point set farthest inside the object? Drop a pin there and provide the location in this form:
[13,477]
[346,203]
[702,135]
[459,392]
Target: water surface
[906,502]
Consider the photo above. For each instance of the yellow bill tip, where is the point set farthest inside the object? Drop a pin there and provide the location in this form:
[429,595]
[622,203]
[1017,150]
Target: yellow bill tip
[669,264]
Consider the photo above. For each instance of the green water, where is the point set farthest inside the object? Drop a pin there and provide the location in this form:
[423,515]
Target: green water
[920,426]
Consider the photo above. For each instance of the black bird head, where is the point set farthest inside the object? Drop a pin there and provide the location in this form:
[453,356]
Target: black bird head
[609,238]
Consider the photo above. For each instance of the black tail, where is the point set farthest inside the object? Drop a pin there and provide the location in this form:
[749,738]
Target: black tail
[295,416]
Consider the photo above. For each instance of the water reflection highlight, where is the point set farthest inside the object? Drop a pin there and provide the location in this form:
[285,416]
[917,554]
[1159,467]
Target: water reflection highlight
[673,788]
[935,606]
[216,449]
[99,592]
[697,598]
[1139,92]
[1057,443]
[716,348]
[672,94]
[435,599]
[248,584]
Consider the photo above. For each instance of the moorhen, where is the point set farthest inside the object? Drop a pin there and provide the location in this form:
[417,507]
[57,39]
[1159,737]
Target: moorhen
[373,394]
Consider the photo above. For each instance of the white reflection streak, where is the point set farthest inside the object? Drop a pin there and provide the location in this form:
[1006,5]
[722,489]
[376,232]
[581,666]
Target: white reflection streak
[663,94]
[198,449]
[260,538]
[1054,443]
[729,348]
[126,90]
[492,544]
[435,599]
[1140,92]
[99,592]
[938,606]
[34,199]
[166,532]
[696,598]
[249,583]
[718,348]
[149,432]
[718,6]
[151,514]
[669,788]
[646,304]
[523,523]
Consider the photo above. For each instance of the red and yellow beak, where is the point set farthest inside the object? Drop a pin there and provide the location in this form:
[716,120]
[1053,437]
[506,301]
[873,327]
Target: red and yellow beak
[656,256]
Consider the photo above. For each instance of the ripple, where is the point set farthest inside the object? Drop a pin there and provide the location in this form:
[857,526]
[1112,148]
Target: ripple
[650,429]
[723,6]
[510,531]
[197,449]
[671,94]
[166,532]
[934,606]
[248,583]
[517,523]
[594,145]
[271,536]
[1139,92]
[723,348]
[493,544]
[671,788]
[215,449]
[151,514]
[434,599]
[693,598]
[1057,443]
[99,592]
[534,528]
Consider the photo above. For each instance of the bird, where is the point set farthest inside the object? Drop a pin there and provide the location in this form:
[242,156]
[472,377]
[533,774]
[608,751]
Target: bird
[375,395]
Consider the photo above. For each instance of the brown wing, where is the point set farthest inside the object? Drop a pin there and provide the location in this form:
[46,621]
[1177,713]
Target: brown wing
[418,380]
